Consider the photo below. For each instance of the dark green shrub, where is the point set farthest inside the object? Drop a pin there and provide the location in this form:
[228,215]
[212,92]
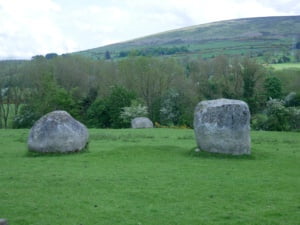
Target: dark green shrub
[295,118]
[106,112]
[98,115]
[292,99]
[259,121]
[278,116]
[272,86]
[119,98]
[26,117]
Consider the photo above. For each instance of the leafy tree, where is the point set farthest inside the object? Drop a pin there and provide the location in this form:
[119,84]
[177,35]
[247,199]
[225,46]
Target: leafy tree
[150,78]
[252,74]
[297,55]
[118,99]
[26,117]
[133,111]
[98,114]
[51,55]
[5,105]
[107,55]
[278,116]
[47,96]
[11,91]
[106,112]
[170,110]
[272,86]
[73,74]
[85,103]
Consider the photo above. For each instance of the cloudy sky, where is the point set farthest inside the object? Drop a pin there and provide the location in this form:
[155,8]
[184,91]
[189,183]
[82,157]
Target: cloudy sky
[32,27]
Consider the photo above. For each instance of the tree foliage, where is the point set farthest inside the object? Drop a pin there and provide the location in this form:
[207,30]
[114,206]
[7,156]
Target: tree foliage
[100,93]
[134,110]
[272,87]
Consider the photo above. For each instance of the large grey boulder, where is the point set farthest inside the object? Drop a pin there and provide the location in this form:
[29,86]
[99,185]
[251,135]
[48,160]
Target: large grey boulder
[57,131]
[223,126]
[141,122]
[3,222]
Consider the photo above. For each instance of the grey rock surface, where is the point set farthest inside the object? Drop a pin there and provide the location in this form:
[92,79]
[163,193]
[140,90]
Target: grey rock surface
[141,122]
[223,126]
[3,222]
[57,131]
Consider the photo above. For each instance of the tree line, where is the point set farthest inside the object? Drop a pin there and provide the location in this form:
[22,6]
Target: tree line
[100,92]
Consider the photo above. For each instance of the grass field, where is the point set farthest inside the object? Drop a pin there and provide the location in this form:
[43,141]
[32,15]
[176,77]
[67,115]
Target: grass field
[153,177]
[283,66]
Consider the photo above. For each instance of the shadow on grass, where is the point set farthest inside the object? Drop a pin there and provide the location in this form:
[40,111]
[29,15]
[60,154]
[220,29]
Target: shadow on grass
[210,155]
[55,154]
[147,148]
[152,149]
[185,152]
[120,137]
[169,149]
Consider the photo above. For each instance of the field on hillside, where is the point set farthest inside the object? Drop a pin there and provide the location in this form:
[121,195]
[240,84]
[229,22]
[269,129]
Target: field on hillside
[247,36]
[150,176]
[283,66]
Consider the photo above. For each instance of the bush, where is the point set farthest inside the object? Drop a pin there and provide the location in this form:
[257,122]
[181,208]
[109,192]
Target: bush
[292,99]
[170,108]
[98,115]
[26,117]
[119,98]
[104,113]
[259,121]
[277,117]
[295,118]
[272,86]
[133,111]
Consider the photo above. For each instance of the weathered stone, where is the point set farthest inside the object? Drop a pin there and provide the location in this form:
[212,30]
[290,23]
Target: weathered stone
[141,122]
[3,222]
[223,126]
[57,131]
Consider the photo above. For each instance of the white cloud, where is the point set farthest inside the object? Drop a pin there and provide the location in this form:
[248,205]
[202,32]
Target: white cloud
[28,28]
[40,26]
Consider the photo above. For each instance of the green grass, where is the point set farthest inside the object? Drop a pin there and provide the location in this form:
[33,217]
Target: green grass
[150,176]
[283,66]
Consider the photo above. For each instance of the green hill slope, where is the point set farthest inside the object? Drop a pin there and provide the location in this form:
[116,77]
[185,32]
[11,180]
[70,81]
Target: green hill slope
[263,37]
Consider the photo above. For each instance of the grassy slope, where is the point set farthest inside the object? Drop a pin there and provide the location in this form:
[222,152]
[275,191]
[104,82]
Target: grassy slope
[150,177]
[240,36]
[283,66]
[289,74]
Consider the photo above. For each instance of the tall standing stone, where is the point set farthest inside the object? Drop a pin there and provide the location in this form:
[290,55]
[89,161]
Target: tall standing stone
[223,126]
[57,131]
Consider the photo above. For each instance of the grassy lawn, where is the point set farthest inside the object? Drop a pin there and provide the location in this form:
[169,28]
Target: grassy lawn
[152,177]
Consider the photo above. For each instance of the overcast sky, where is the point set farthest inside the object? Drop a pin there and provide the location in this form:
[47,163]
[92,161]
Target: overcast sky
[32,27]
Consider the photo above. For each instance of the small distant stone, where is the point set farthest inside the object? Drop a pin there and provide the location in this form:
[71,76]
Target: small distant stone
[223,126]
[57,131]
[141,122]
[3,222]
[197,150]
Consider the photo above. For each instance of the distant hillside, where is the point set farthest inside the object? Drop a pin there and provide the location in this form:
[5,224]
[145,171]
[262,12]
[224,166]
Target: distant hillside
[258,37]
